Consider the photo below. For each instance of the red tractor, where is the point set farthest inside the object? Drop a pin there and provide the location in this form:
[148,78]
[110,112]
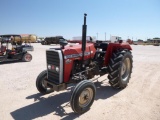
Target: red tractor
[79,63]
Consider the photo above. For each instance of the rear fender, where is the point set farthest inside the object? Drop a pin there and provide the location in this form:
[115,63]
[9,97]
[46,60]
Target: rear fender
[112,47]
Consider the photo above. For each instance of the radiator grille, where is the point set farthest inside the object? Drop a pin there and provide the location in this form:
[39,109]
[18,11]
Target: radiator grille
[53,59]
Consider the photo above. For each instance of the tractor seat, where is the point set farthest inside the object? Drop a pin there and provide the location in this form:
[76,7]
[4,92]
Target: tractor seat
[102,46]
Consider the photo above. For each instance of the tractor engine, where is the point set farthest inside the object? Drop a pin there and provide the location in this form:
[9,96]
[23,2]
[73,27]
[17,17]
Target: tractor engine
[89,71]
[92,70]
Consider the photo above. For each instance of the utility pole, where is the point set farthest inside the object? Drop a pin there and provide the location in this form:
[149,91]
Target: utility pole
[105,36]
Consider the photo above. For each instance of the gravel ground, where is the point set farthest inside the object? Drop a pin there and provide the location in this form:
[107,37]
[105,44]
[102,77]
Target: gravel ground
[20,99]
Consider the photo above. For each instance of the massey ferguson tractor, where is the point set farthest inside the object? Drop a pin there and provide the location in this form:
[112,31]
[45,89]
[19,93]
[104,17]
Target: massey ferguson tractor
[79,63]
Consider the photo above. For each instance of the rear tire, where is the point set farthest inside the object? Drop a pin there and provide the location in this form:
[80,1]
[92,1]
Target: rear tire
[83,96]
[40,83]
[120,68]
[27,57]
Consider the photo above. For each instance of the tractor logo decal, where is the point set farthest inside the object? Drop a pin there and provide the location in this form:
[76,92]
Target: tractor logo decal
[68,61]
[76,55]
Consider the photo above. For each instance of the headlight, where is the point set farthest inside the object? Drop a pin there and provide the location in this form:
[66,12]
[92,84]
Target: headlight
[49,67]
[57,69]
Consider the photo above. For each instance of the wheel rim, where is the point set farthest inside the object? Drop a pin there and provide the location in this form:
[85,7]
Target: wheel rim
[125,69]
[43,84]
[28,57]
[85,97]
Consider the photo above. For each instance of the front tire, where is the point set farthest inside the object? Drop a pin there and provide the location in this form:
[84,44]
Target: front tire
[40,83]
[83,96]
[27,57]
[120,68]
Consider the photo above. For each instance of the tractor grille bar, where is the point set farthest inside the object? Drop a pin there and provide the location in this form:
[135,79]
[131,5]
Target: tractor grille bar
[54,60]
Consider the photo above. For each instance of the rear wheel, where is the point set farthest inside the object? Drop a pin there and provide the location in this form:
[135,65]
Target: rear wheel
[27,57]
[120,68]
[40,83]
[83,96]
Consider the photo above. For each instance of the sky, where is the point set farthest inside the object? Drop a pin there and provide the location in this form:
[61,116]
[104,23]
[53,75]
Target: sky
[137,19]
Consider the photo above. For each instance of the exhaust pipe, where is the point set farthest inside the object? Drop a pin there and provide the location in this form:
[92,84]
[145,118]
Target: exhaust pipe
[84,33]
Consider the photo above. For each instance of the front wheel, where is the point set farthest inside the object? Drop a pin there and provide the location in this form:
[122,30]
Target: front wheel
[83,96]
[40,83]
[120,68]
[27,57]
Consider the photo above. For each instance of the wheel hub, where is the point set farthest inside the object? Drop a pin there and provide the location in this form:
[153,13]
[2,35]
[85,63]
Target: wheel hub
[85,97]
[28,57]
[44,85]
[125,70]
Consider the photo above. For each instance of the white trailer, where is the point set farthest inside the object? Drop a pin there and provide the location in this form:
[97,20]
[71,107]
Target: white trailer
[114,39]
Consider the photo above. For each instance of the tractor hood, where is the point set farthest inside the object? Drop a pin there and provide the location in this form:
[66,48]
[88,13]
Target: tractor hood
[74,50]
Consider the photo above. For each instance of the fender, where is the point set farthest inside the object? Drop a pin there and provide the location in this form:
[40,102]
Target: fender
[112,47]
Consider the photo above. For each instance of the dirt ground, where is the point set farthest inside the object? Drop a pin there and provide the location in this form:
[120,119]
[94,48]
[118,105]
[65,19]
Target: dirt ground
[20,100]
